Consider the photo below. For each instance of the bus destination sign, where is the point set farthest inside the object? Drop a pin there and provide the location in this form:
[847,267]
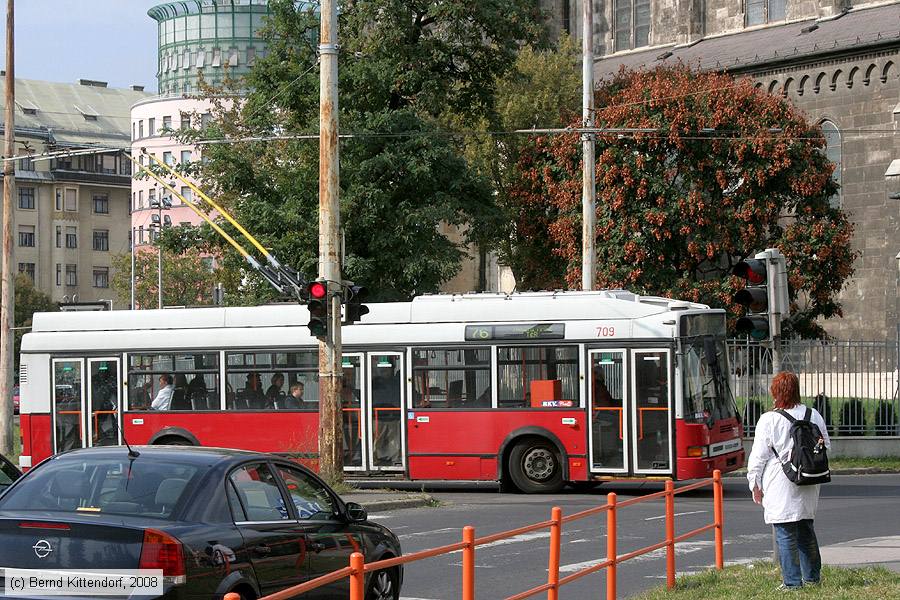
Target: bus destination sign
[523,331]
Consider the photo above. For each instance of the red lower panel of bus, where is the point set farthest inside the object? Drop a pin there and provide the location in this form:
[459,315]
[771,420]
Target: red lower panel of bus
[282,431]
[37,436]
[465,445]
[699,435]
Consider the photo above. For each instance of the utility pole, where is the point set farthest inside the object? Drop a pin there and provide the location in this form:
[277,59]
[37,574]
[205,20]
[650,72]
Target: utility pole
[331,452]
[8,296]
[588,188]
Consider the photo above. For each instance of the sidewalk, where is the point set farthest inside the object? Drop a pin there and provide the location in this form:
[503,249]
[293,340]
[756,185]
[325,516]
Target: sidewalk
[375,501]
[884,551]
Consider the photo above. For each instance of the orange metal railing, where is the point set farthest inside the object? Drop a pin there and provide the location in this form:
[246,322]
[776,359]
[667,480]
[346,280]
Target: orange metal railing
[358,568]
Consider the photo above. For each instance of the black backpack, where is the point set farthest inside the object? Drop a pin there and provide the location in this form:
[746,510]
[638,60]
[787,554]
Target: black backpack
[808,463]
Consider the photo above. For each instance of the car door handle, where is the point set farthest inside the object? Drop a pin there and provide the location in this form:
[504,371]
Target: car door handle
[263,549]
[315,546]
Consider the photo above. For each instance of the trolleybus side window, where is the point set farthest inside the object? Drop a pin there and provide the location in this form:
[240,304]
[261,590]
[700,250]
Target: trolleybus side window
[194,378]
[452,378]
[538,376]
[272,380]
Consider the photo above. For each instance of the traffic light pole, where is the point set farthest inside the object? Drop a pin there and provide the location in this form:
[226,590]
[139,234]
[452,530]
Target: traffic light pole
[330,374]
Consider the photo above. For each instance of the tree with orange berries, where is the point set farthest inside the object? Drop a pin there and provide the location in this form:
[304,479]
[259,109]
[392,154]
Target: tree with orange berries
[702,171]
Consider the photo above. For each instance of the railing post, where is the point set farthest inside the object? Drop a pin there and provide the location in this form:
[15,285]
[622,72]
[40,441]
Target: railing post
[553,568]
[357,576]
[468,563]
[719,514]
[670,534]
[611,546]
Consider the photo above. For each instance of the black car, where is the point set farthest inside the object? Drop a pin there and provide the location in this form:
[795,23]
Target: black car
[8,473]
[213,520]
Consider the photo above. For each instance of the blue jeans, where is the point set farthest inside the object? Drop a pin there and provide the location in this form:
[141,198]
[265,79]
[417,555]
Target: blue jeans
[798,551]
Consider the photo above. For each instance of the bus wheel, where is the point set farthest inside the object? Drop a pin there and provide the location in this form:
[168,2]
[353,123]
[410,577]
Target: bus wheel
[172,440]
[535,468]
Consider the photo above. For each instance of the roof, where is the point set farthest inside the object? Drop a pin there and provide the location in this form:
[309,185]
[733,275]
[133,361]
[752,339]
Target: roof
[171,10]
[84,113]
[754,49]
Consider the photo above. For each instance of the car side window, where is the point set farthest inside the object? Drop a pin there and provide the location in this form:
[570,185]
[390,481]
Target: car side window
[309,496]
[8,474]
[259,494]
[237,511]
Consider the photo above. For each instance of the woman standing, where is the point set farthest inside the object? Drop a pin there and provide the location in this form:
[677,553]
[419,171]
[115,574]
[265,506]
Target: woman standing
[789,508]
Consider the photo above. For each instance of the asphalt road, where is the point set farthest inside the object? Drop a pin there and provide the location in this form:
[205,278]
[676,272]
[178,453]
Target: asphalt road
[851,507]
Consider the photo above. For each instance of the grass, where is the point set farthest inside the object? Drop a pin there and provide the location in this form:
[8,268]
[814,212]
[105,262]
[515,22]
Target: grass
[759,580]
[879,462]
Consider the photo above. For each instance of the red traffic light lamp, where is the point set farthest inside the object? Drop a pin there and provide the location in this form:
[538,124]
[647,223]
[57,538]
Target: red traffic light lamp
[317,303]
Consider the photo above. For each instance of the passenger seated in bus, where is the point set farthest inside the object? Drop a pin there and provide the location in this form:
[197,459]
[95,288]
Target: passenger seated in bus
[164,397]
[293,400]
[274,393]
[179,395]
[198,394]
[252,395]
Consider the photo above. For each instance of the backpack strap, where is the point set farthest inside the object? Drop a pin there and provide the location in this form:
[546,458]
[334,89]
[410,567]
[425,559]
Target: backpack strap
[788,416]
[808,415]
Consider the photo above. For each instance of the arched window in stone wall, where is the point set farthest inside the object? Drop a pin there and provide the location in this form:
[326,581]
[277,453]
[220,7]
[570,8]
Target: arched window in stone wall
[833,153]
[802,87]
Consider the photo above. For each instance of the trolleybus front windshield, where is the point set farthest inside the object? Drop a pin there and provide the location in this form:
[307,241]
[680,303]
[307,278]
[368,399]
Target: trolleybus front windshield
[707,394]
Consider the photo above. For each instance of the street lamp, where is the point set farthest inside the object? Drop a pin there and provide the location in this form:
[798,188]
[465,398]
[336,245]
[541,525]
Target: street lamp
[157,223]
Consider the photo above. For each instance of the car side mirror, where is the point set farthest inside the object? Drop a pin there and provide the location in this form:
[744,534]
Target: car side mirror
[356,513]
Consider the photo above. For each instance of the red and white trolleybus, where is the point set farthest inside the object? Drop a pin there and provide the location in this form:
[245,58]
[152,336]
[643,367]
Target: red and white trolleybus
[534,389]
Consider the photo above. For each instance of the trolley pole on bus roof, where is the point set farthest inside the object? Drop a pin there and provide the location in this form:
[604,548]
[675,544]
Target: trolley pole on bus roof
[7,303]
[331,451]
[588,188]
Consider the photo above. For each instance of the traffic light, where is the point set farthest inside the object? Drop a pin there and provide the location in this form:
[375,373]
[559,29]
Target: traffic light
[317,303]
[353,310]
[765,295]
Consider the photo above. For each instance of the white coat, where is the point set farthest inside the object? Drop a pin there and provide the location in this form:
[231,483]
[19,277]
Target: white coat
[783,500]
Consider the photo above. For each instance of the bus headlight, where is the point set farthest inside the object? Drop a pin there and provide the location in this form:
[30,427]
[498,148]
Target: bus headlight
[696,451]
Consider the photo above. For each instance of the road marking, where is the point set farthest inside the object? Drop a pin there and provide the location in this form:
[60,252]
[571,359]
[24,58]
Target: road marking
[693,512]
[406,536]
[459,564]
[681,548]
[516,539]
[380,517]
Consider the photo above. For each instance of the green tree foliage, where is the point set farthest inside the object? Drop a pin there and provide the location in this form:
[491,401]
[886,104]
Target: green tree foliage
[410,201]
[28,300]
[187,279]
[729,171]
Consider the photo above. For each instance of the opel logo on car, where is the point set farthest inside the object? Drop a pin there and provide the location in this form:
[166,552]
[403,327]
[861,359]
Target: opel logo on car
[42,549]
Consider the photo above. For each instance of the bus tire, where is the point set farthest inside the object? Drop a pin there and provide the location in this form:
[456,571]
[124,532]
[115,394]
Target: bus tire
[535,467]
[173,440]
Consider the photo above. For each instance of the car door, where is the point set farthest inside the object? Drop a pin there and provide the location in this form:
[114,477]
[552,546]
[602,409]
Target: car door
[329,539]
[269,529]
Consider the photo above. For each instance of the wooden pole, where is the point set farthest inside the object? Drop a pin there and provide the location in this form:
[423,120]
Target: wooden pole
[331,453]
[588,188]
[8,295]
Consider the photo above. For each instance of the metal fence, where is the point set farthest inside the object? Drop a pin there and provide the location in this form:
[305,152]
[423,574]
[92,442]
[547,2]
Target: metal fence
[854,384]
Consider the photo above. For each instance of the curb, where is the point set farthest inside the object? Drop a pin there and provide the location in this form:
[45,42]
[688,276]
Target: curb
[418,501]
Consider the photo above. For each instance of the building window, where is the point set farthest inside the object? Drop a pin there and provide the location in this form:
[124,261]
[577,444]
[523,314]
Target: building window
[58,236]
[101,204]
[632,21]
[185,120]
[186,193]
[26,198]
[71,275]
[71,200]
[26,164]
[101,277]
[168,158]
[185,156]
[71,237]
[760,12]
[140,202]
[205,120]
[140,129]
[151,126]
[26,236]
[833,153]
[101,240]
[134,131]
[167,122]
[27,269]
[58,274]
[151,196]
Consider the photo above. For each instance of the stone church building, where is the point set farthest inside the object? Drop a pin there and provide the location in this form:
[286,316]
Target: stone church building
[837,60]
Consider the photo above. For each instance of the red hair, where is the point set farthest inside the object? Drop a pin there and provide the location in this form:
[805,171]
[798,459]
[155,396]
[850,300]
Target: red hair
[786,390]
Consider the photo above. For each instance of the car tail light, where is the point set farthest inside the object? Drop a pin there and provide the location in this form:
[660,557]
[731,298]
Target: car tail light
[42,525]
[162,551]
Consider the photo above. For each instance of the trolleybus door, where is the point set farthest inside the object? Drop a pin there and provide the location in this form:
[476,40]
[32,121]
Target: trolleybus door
[352,415]
[104,399]
[651,425]
[608,391]
[384,408]
[68,392]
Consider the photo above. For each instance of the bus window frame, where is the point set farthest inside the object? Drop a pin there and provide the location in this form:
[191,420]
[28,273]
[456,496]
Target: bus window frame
[126,376]
[412,369]
[579,375]
[633,408]
[243,369]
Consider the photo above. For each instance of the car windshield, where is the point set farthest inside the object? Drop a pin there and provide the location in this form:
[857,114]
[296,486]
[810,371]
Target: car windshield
[140,487]
[707,393]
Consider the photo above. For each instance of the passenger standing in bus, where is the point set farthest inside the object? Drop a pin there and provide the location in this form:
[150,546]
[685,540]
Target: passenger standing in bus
[164,395]
[789,508]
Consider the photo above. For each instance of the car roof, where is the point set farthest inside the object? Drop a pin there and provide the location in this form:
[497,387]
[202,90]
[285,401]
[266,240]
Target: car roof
[186,454]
